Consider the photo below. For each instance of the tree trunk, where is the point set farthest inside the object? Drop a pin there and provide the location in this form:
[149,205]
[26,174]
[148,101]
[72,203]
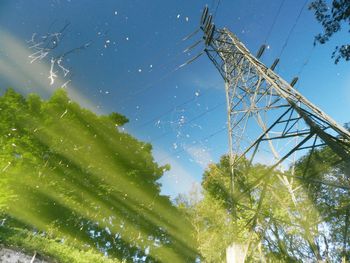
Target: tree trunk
[236,253]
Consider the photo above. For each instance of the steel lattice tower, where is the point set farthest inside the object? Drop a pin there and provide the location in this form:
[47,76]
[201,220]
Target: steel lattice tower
[269,121]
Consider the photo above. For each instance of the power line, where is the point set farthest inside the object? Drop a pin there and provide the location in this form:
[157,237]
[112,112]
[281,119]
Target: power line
[194,98]
[217,7]
[152,84]
[307,60]
[212,4]
[148,87]
[169,111]
[191,120]
[203,139]
[292,28]
[274,21]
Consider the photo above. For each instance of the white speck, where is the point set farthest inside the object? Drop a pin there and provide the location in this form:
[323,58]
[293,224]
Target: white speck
[127,38]
[98,33]
[64,85]
[175,145]
[268,47]
[137,107]
[115,13]
[64,113]
[140,70]
[196,93]
[151,66]
[182,120]
[187,18]
[107,92]
[178,16]
[108,41]
[7,166]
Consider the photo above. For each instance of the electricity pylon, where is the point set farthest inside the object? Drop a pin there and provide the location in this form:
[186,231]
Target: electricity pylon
[257,96]
[269,121]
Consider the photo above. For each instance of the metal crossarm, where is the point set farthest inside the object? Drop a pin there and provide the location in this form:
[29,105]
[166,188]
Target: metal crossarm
[256,95]
[269,122]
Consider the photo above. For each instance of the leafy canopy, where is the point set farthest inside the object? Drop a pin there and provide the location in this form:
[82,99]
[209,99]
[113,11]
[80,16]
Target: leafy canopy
[73,176]
[332,20]
[263,217]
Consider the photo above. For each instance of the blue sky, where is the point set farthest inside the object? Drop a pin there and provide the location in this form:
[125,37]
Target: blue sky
[130,67]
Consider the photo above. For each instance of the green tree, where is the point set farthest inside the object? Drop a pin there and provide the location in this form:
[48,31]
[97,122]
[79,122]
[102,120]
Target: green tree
[260,216]
[74,176]
[332,20]
[326,178]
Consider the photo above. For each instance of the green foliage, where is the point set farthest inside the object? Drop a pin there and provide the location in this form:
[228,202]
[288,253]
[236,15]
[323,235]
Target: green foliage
[56,250]
[118,119]
[218,220]
[326,180]
[276,223]
[73,175]
[332,20]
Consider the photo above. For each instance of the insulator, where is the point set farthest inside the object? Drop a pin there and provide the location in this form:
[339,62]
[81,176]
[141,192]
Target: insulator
[261,51]
[275,63]
[207,24]
[210,35]
[204,15]
[294,81]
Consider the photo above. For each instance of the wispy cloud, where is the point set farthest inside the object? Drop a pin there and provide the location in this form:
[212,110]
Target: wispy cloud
[209,83]
[200,155]
[178,180]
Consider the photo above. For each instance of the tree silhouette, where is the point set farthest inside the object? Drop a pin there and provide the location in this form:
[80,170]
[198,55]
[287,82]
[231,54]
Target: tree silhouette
[332,20]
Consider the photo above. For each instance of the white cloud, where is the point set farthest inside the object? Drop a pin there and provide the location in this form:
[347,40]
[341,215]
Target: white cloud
[209,83]
[200,155]
[178,180]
